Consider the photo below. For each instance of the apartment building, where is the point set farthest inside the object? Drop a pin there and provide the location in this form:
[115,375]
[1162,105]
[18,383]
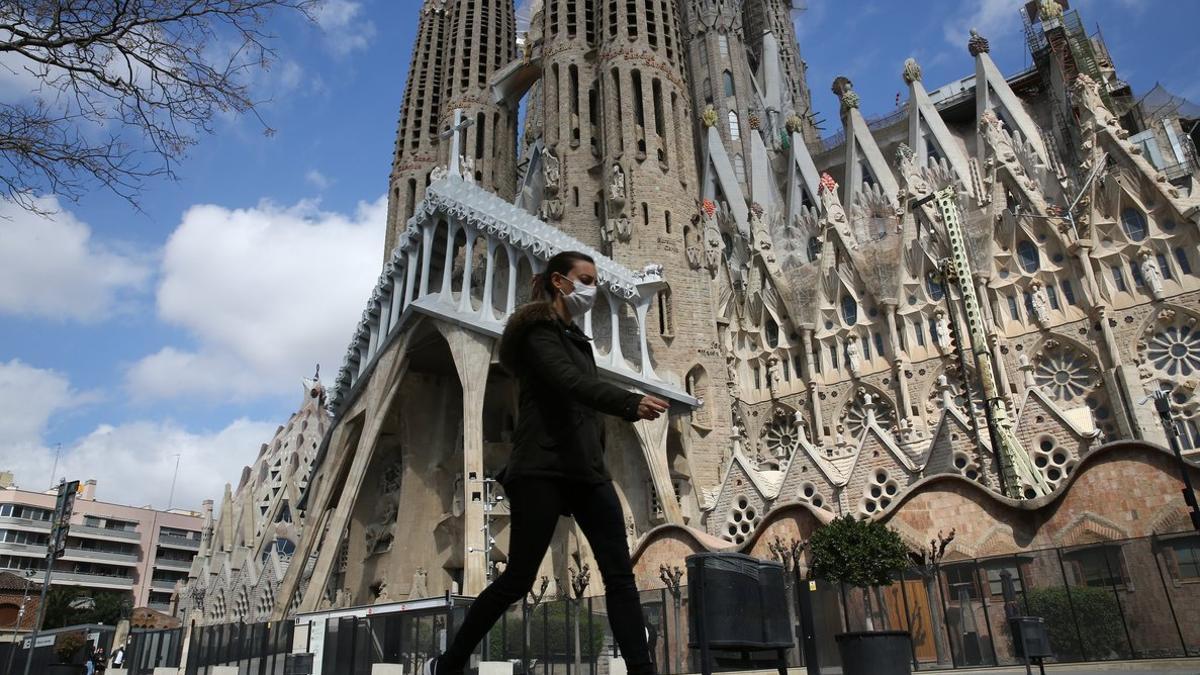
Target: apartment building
[110,547]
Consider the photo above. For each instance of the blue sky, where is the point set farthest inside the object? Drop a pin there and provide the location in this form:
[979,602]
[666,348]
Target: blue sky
[130,337]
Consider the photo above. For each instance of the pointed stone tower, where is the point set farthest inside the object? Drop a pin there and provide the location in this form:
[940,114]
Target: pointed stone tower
[480,40]
[570,104]
[416,151]
[775,17]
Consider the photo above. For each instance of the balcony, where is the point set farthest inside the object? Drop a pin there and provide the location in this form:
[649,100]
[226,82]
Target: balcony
[92,580]
[164,607]
[11,522]
[88,555]
[173,565]
[165,585]
[91,532]
[31,550]
[173,541]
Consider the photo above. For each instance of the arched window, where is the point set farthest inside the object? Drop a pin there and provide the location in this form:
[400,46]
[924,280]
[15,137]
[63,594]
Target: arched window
[936,291]
[735,130]
[772,333]
[814,249]
[727,78]
[1028,255]
[849,310]
[739,168]
[1134,223]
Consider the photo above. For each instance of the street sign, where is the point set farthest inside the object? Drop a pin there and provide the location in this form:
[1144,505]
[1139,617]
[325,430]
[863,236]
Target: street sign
[63,509]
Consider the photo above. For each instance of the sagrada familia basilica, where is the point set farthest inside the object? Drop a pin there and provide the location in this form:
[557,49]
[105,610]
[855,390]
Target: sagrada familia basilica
[953,316]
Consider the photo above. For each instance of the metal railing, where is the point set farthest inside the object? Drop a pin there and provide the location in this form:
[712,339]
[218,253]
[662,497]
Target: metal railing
[93,531]
[176,541]
[76,553]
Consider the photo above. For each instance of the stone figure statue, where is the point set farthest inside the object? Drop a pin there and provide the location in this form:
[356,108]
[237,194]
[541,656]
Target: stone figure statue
[551,171]
[774,375]
[854,355]
[942,323]
[1151,274]
[420,587]
[468,170]
[1039,303]
[997,139]
[910,172]
[616,185]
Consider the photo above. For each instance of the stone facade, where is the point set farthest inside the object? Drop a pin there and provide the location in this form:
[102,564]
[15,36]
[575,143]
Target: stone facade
[834,339]
[246,551]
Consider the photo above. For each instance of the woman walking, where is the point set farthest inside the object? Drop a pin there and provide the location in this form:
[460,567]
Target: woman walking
[557,465]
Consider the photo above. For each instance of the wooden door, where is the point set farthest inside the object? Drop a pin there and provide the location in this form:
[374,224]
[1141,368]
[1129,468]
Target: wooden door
[917,616]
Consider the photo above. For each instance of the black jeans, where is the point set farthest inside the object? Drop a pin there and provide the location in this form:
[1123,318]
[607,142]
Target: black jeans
[536,505]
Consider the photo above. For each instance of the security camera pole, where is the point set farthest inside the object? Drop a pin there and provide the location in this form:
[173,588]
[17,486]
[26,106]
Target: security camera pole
[58,543]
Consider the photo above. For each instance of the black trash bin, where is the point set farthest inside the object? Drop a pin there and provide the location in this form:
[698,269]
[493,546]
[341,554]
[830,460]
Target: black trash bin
[880,652]
[731,601]
[738,603]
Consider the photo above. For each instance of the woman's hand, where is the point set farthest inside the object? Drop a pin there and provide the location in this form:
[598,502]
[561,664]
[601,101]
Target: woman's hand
[650,407]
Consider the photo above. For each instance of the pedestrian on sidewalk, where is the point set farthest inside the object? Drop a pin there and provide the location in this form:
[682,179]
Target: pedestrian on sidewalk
[557,464]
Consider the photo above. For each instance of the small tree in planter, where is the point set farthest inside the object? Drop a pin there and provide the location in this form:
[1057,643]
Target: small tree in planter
[859,553]
[67,647]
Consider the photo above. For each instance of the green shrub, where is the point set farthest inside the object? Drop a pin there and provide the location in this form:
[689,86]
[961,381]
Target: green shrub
[67,645]
[1097,613]
[856,552]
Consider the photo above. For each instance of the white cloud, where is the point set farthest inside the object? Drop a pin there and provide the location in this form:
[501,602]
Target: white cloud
[133,463]
[992,18]
[266,292]
[29,396]
[316,179]
[50,266]
[345,29]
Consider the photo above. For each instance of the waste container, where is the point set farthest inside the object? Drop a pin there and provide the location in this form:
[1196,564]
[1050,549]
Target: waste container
[1031,638]
[727,587]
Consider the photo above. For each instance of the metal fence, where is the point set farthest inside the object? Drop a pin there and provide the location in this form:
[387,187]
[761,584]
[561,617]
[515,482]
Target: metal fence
[254,648]
[1108,600]
[150,649]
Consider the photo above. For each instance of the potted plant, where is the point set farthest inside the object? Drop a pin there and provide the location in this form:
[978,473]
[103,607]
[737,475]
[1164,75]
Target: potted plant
[68,648]
[864,554]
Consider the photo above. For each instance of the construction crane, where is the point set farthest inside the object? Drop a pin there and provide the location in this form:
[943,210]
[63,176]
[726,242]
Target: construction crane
[1020,479]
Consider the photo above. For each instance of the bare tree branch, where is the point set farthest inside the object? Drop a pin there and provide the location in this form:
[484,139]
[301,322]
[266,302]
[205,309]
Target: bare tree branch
[123,86]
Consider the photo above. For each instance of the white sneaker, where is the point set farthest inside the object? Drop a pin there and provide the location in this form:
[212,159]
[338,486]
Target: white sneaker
[429,668]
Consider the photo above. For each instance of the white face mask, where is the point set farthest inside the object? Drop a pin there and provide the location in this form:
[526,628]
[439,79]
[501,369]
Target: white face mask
[580,299]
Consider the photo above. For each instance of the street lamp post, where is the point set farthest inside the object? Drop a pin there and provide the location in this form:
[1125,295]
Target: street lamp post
[29,574]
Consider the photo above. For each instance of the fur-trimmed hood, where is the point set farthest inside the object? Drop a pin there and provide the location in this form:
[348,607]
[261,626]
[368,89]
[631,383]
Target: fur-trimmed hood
[525,317]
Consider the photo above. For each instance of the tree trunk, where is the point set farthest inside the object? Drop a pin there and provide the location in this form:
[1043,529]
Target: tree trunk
[867,613]
[578,651]
[883,618]
[938,620]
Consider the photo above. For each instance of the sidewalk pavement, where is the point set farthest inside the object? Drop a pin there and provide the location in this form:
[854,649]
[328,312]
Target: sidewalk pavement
[1145,667]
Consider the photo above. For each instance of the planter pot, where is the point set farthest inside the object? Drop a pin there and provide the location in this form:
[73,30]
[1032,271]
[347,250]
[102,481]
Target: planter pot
[887,652]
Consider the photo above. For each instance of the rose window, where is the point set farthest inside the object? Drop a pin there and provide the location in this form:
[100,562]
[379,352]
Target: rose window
[856,414]
[881,489]
[1065,373]
[1174,350]
[782,438]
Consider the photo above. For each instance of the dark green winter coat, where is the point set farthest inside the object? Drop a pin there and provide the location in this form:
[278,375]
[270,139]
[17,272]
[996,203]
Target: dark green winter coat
[559,432]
